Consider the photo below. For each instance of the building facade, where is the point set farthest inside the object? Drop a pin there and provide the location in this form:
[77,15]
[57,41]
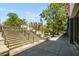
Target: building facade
[74,23]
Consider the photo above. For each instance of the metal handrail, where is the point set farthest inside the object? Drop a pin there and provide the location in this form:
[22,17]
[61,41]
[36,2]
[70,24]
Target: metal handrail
[36,34]
[5,41]
[4,35]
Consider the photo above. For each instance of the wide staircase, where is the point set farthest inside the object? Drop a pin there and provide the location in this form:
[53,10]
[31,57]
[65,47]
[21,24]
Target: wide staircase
[15,38]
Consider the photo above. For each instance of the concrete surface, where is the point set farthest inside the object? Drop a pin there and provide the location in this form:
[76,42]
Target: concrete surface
[59,47]
[3,47]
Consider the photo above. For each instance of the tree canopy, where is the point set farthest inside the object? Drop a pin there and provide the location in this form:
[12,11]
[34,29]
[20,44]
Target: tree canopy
[55,17]
[14,20]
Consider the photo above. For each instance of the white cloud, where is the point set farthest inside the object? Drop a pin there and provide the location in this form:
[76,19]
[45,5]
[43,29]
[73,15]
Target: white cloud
[32,16]
[3,9]
[7,10]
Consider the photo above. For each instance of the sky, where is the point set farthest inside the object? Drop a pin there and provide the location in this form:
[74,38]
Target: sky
[28,11]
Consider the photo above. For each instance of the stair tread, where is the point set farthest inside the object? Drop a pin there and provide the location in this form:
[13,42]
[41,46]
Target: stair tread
[16,38]
[3,48]
[17,43]
[15,46]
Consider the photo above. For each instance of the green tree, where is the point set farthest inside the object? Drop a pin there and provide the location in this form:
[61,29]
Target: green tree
[14,20]
[55,17]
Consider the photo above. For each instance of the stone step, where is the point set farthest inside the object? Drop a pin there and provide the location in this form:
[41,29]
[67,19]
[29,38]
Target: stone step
[20,49]
[15,41]
[1,42]
[3,50]
[18,45]
[16,38]
[15,35]
[6,53]
[11,44]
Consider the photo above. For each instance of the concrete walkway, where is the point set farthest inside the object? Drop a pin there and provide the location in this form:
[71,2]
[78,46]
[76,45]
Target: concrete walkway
[58,47]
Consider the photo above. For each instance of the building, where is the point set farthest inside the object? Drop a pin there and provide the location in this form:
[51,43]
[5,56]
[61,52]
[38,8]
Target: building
[74,23]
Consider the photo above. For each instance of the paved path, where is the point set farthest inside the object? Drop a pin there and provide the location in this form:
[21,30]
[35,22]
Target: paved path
[60,47]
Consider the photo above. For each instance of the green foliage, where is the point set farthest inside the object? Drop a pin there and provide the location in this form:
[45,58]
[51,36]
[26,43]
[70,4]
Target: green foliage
[44,14]
[55,17]
[36,26]
[13,16]
[14,20]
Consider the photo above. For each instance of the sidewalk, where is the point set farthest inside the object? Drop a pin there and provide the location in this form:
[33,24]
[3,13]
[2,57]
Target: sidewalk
[59,47]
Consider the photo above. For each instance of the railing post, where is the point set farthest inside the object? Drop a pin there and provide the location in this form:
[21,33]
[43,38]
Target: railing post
[24,32]
[8,47]
[5,41]
[3,35]
[33,38]
[28,35]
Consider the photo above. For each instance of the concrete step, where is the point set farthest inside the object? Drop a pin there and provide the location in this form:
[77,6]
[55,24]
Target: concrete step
[16,38]
[15,41]
[1,42]
[18,45]
[15,51]
[15,35]
[3,50]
